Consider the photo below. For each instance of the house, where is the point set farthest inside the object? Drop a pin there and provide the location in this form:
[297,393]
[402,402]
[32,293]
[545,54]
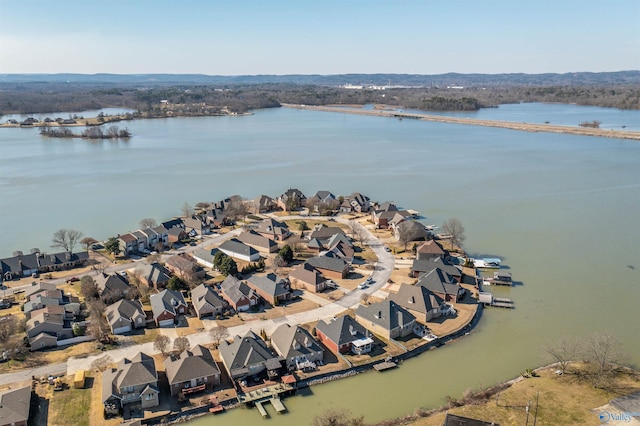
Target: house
[176,235]
[216,218]
[45,329]
[308,277]
[163,235]
[430,250]
[196,225]
[387,319]
[423,266]
[141,241]
[419,301]
[112,287]
[192,371]
[153,238]
[442,285]
[359,203]
[133,383]
[21,265]
[153,275]
[128,244]
[323,233]
[204,257]
[274,230]
[292,199]
[272,289]
[329,266]
[125,315]
[263,204]
[411,230]
[239,295]
[249,356]
[323,197]
[206,302]
[323,202]
[239,250]
[259,242]
[41,295]
[342,250]
[14,405]
[343,335]
[298,348]
[185,267]
[167,306]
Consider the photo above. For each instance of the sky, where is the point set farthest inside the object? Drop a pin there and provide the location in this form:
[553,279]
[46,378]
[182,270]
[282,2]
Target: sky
[249,37]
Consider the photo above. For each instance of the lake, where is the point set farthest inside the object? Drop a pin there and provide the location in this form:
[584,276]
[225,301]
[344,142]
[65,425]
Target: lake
[563,211]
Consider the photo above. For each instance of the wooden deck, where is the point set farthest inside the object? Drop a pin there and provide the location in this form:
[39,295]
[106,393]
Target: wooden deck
[502,303]
[386,365]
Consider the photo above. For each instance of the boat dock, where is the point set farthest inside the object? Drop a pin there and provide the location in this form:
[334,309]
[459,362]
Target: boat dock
[385,365]
[276,402]
[487,299]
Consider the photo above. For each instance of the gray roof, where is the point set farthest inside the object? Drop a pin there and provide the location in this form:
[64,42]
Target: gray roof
[203,295]
[308,274]
[342,330]
[295,341]
[235,289]
[328,263]
[439,281]
[245,351]
[191,364]
[427,265]
[139,370]
[123,309]
[115,282]
[272,226]
[154,273]
[387,314]
[270,284]
[235,246]
[315,244]
[416,298]
[324,196]
[255,239]
[323,233]
[33,261]
[166,300]
[14,405]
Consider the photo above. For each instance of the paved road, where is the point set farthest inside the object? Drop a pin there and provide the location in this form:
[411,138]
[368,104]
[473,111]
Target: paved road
[380,276]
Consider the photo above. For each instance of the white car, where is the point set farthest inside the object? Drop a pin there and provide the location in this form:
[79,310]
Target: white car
[362,285]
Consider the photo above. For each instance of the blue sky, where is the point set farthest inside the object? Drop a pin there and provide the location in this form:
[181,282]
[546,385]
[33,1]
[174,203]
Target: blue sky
[318,37]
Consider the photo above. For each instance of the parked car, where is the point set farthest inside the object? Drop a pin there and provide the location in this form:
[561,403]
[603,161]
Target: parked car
[362,285]
[73,280]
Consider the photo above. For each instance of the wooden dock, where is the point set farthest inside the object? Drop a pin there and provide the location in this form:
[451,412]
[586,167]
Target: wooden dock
[261,409]
[278,405]
[386,365]
[499,302]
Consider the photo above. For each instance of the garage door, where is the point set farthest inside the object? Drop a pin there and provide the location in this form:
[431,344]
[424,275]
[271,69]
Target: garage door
[122,330]
[166,323]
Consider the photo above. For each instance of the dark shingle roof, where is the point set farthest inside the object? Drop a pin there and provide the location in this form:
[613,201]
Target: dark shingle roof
[387,314]
[294,341]
[439,281]
[255,239]
[235,246]
[416,298]
[342,330]
[329,263]
[14,405]
[270,284]
[245,351]
[166,300]
[125,309]
[191,364]
[203,295]
[235,289]
[139,370]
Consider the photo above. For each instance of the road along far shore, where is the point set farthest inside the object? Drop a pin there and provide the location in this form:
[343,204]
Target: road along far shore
[526,127]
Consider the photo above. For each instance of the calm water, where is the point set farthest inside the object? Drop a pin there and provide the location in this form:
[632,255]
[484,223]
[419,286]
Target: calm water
[563,211]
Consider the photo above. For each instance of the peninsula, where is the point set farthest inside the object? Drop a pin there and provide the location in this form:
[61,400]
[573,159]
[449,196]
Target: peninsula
[282,278]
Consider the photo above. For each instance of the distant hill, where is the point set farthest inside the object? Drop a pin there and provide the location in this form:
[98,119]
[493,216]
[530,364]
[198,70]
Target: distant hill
[410,80]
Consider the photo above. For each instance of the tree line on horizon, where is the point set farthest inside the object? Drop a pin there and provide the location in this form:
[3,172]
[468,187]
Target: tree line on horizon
[25,98]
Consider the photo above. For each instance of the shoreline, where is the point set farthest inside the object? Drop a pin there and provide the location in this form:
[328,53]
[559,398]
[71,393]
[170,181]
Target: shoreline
[526,127]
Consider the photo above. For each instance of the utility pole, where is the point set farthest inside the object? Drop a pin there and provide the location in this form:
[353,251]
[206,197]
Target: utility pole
[527,410]
[535,417]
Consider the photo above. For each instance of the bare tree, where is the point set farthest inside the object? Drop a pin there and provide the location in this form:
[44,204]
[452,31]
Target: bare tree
[563,352]
[218,333]
[98,326]
[162,343]
[236,209]
[603,353]
[278,262]
[186,210]
[202,205]
[455,229]
[410,230]
[337,417]
[102,363]
[148,222]
[358,233]
[8,327]
[66,239]
[181,344]
[364,298]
